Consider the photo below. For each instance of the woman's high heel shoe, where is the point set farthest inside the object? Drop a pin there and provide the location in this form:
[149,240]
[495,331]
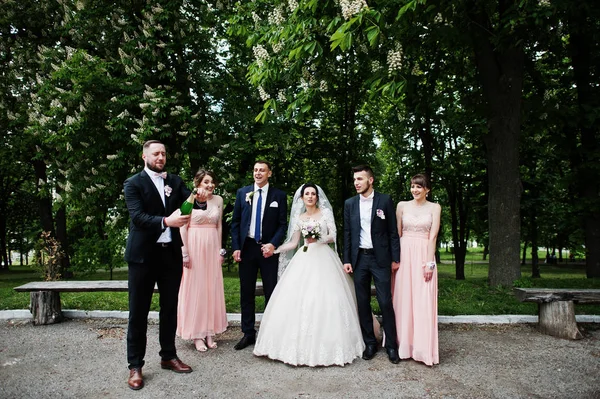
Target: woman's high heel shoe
[210,343]
[200,345]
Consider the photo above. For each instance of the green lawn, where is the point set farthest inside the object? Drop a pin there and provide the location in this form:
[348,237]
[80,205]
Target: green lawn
[471,296]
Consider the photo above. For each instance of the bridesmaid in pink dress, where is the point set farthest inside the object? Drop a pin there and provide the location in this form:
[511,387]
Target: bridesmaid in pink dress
[415,286]
[201,312]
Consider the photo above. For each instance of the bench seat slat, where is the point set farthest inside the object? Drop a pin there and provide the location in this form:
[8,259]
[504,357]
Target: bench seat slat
[545,295]
[76,286]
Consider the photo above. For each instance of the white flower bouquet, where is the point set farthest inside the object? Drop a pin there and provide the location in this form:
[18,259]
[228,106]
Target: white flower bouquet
[310,229]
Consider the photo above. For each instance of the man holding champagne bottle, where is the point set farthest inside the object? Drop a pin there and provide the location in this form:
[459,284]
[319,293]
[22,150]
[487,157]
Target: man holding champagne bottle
[153,253]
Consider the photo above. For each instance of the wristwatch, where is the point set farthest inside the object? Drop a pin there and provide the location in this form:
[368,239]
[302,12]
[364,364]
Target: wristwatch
[223,252]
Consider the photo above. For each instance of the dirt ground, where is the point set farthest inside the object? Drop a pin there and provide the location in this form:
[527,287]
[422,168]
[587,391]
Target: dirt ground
[86,358]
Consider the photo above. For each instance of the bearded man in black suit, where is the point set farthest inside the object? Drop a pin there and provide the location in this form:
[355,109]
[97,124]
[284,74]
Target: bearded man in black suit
[153,253]
[371,250]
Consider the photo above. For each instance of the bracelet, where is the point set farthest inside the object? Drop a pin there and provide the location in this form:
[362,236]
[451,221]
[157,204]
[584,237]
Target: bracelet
[222,252]
[430,265]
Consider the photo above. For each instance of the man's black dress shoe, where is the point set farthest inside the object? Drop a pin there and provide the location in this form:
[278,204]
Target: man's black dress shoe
[370,352]
[393,355]
[246,340]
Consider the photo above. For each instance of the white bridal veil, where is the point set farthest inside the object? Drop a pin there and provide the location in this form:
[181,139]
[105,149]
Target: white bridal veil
[298,209]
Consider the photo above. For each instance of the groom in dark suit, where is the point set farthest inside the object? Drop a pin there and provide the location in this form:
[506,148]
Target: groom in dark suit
[258,227]
[153,253]
[371,249]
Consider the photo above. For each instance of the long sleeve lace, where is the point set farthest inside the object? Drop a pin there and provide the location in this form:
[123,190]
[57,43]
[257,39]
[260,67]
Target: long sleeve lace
[331,229]
[293,243]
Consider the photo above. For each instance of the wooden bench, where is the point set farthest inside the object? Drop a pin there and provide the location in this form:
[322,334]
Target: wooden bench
[557,308]
[45,295]
[45,303]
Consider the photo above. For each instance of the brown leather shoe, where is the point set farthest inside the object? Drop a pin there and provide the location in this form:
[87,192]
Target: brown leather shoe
[136,380]
[176,365]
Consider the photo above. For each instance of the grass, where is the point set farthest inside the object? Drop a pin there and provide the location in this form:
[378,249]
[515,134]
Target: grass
[472,296]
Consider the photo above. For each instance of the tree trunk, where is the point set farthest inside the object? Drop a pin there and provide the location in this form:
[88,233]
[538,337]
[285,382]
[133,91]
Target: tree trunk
[524,257]
[558,319]
[500,70]
[44,201]
[45,307]
[63,239]
[3,247]
[582,38]
[535,262]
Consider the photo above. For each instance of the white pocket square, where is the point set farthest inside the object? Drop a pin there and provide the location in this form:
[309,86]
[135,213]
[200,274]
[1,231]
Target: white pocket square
[274,204]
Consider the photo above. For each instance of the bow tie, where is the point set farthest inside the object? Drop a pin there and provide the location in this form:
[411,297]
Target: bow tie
[163,174]
[363,199]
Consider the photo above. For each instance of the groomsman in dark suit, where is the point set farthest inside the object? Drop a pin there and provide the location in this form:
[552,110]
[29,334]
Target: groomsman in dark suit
[258,227]
[371,249]
[153,253]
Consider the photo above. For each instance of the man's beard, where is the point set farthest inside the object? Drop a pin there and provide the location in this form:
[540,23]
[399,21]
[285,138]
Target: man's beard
[155,169]
[365,188]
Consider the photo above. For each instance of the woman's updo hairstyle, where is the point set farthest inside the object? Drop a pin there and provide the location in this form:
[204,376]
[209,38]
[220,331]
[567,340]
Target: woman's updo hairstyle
[307,185]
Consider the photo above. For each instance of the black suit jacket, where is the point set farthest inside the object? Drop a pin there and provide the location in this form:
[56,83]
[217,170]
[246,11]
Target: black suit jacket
[146,211]
[274,220]
[384,230]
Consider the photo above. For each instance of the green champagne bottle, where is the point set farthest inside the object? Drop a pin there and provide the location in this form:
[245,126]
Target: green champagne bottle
[188,204]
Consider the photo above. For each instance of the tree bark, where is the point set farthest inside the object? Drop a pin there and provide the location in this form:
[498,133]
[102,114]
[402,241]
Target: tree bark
[500,70]
[558,319]
[587,175]
[45,307]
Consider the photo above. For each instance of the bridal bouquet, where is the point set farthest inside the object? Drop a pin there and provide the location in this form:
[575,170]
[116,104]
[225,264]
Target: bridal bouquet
[310,229]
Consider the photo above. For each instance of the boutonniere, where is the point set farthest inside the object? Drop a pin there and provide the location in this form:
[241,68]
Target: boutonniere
[249,196]
[380,214]
[168,190]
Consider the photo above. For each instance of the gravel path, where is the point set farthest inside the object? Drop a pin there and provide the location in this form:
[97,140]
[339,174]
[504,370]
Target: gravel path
[86,358]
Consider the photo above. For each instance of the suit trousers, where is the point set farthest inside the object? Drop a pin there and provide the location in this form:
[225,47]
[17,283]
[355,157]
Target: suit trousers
[165,269]
[367,268]
[252,262]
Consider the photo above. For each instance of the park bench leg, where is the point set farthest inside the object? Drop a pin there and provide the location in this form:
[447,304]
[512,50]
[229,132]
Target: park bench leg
[558,319]
[45,307]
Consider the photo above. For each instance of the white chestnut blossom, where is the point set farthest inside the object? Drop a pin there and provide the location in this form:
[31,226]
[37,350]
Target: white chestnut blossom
[263,94]
[394,59]
[281,96]
[277,47]
[276,16]
[352,7]
[292,4]
[323,86]
[261,54]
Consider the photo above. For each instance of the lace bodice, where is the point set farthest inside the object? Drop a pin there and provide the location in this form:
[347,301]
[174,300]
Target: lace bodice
[326,225]
[328,234]
[416,224]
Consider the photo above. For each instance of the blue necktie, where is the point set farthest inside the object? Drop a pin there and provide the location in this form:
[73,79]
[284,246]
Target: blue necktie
[258,218]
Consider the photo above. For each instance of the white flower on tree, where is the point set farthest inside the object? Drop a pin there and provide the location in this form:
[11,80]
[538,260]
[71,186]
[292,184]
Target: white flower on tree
[352,7]
[394,59]
[261,54]
[263,94]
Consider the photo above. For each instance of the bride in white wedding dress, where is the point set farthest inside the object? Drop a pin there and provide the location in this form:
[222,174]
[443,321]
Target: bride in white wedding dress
[311,318]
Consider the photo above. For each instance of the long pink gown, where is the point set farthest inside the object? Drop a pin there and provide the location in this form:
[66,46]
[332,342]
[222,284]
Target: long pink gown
[415,300]
[201,310]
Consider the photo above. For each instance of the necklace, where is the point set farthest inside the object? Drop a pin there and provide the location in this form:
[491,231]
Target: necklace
[200,205]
